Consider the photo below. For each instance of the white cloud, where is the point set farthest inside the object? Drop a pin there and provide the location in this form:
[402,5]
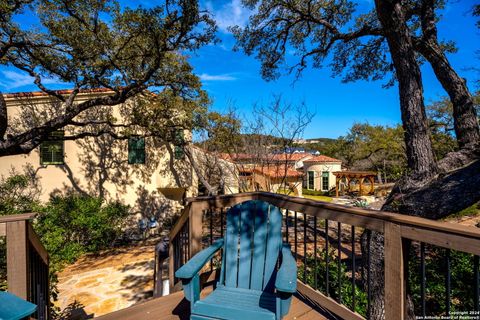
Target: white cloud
[13,79]
[216,77]
[229,14]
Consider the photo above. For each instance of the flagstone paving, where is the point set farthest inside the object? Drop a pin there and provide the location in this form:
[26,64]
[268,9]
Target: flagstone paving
[96,285]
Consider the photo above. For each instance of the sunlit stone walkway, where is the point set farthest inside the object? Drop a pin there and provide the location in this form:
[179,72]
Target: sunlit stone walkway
[101,284]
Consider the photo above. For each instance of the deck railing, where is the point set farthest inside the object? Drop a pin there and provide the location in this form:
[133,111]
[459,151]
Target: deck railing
[27,262]
[332,245]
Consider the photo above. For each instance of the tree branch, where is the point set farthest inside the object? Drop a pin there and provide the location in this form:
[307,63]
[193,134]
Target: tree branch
[3,117]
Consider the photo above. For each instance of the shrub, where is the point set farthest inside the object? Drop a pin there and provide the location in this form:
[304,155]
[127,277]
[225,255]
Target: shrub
[309,192]
[462,284]
[336,274]
[18,193]
[75,224]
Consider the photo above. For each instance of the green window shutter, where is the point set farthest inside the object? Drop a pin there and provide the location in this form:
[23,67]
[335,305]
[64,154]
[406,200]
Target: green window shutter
[179,153]
[52,150]
[179,138]
[311,180]
[136,150]
[325,182]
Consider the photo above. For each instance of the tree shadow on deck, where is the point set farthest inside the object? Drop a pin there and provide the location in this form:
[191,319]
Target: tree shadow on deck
[74,311]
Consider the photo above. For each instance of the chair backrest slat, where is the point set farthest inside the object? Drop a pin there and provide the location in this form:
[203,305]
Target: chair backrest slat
[260,236]
[231,247]
[253,241]
[246,234]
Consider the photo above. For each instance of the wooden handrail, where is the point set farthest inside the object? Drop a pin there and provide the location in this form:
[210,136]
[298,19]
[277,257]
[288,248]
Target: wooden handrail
[37,244]
[396,228]
[366,214]
[17,217]
[180,222]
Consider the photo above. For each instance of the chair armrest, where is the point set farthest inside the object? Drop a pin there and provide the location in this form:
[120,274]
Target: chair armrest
[196,263]
[287,274]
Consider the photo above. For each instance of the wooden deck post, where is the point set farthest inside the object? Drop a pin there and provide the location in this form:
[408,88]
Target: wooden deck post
[195,229]
[337,186]
[394,273]
[17,258]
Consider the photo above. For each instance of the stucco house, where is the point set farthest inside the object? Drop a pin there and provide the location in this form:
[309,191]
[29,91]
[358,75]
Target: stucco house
[318,172]
[142,171]
[294,160]
[277,178]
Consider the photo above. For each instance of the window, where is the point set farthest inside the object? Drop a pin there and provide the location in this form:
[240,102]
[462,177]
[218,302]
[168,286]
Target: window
[325,182]
[136,150]
[310,180]
[51,150]
[179,142]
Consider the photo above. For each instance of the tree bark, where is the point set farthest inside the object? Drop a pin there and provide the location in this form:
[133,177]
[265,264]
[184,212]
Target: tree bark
[464,115]
[419,151]
[420,157]
[3,117]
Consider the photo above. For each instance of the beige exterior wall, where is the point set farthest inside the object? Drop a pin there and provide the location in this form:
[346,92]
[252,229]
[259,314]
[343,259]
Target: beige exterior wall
[99,166]
[318,169]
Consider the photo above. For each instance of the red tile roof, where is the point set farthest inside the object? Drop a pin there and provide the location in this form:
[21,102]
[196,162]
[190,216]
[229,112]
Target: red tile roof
[289,156]
[278,172]
[322,158]
[42,94]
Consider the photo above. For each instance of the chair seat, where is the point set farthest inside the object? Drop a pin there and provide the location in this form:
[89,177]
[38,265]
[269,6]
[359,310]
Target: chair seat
[235,303]
[14,308]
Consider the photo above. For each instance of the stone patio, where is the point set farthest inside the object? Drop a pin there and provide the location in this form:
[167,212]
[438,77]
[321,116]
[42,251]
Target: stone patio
[96,285]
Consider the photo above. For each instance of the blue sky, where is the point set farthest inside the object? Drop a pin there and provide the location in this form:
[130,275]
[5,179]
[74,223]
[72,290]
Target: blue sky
[231,78]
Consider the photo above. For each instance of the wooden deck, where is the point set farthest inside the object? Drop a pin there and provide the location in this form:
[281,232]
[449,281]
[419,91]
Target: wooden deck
[174,306]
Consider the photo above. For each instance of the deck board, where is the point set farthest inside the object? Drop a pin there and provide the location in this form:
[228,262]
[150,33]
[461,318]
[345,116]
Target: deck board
[174,307]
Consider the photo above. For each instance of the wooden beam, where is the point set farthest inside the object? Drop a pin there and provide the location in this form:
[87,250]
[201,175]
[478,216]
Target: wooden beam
[37,244]
[17,258]
[327,302]
[195,229]
[443,240]
[17,217]
[3,229]
[394,273]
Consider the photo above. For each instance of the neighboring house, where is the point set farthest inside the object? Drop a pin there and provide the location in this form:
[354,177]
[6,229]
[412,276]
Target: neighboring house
[278,178]
[319,172]
[143,171]
[294,160]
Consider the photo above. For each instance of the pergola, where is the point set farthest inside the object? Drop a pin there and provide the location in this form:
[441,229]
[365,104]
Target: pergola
[349,176]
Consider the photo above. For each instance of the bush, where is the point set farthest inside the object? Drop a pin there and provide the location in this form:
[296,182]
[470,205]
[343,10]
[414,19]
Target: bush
[74,224]
[462,284]
[309,192]
[18,192]
[335,274]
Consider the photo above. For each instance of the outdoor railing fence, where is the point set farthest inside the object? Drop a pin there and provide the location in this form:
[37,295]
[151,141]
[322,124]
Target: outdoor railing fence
[435,264]
[27,262]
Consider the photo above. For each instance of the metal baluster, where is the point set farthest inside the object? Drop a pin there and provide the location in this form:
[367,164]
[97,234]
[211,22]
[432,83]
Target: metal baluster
[211,236]
[353,268]
[305,222]
[221,222]
[315,252]
[423,280]
[447,280]
[295,229]
[327,260]
[339,261]
[286,226]
[369,280]
[476,294]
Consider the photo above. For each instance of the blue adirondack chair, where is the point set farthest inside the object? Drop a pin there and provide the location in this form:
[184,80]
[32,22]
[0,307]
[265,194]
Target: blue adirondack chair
[13,307]
[250,286]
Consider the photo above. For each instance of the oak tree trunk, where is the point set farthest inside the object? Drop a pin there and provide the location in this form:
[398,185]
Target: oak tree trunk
[420,157]
[464,115]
